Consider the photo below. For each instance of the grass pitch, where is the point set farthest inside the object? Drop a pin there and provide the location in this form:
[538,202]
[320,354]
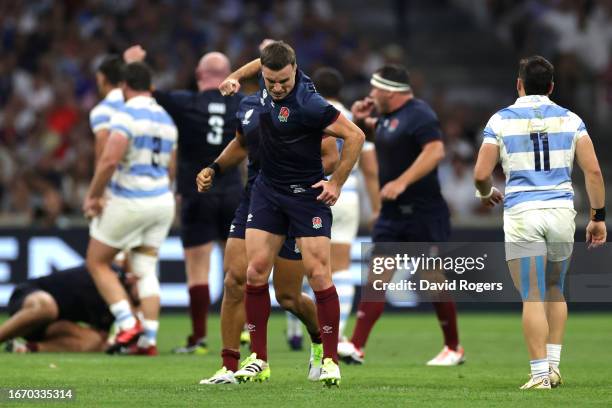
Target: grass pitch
[394,373]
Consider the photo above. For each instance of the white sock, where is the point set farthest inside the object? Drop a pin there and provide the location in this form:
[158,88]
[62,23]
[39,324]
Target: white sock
[123,314]
[539,368]
[553,353]
[346,293]
[149,338]
[294,326]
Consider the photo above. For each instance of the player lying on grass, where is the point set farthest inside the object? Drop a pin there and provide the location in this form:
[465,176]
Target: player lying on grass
[49,313]
[288,268]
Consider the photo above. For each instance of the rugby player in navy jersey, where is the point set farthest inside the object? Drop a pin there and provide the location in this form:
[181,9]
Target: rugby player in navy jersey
[291,197]
[409,148]
[206,123]
[288,270]
[48,313]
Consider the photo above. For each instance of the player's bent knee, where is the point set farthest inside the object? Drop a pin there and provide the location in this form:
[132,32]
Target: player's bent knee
[145,269]
[234,288]
[43,303]
[286,300]
[257,272]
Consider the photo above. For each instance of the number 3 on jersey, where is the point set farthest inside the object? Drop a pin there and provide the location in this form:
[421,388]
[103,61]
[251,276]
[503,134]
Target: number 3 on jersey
[215,136]
[156,151]
[535,138]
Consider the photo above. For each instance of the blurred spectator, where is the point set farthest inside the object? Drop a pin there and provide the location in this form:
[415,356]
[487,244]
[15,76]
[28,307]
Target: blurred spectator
[49,51]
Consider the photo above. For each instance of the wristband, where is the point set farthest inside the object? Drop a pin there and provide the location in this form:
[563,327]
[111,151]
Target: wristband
[598,214]
[215,166]
[478,195]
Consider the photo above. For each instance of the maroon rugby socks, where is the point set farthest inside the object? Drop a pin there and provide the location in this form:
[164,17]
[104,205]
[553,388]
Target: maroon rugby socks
[199,300]
[447,316]
[257,304]
[367,315]
[328,311]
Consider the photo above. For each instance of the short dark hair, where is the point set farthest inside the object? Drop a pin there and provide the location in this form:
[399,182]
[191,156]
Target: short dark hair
[328,82]
[395,72]
[111,69]
[537,73]
[277,55]
[137,75]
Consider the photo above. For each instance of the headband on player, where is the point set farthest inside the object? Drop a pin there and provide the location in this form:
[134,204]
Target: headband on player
[389,85]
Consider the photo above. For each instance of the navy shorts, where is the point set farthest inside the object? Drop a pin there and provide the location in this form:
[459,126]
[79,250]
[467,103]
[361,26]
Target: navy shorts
[15,304]
[206,217]
[425,228]
[237,230]
[294,212]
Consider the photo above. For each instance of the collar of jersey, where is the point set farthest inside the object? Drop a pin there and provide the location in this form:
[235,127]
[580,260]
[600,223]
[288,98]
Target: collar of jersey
[115,94]
[531,99]
[408,102]
[140,100]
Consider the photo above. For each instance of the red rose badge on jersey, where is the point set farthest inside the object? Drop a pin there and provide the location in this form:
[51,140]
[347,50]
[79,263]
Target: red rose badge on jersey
[393,124]
[317,222]
[283,114]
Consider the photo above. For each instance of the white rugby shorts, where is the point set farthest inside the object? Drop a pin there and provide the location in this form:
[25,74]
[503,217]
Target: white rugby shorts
[128,223]
[545,231]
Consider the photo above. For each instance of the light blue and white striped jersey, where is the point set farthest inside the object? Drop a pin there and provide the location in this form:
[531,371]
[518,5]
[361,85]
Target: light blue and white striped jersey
[100,115]
[143,172]
[352,181]
[537,142]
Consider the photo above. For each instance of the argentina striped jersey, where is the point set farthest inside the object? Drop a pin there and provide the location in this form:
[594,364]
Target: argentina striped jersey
[100,115]
[352,181]
[537,142]
[152,135]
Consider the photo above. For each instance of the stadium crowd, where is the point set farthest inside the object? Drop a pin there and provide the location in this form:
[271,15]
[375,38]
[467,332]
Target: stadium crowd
[49,49]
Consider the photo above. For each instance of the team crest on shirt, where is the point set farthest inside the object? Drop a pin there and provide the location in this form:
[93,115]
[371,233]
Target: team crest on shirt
[283,114]
[317,222]
[393,124]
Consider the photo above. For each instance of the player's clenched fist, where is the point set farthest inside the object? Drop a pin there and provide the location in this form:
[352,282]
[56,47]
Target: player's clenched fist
[229,87]
[330,193]
[204,179]
[392,190]
[92,206]
[362,109]
[596,234]
[134,54]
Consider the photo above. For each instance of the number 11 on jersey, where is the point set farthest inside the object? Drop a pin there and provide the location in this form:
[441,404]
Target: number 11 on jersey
[536,138]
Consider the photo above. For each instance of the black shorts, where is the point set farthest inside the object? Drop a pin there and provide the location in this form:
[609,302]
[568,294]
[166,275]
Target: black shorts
[294,213]
[15,304]
[424,228]
[237,230]
[206,217]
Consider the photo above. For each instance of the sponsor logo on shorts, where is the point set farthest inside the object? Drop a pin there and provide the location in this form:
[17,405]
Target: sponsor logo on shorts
[232,228]
[317,222]
[283,114]
[296,249]
[297,188]
[327,329]
[249,217]
[250,327]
